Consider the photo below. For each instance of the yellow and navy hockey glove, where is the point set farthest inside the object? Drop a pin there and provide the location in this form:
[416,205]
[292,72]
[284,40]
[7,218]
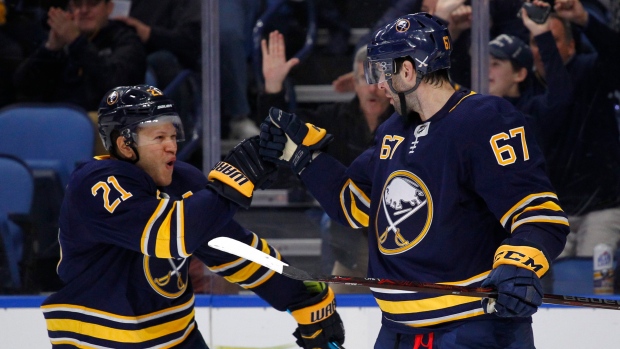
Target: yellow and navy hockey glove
[320,326]
[242,171]
[516,273]
[285,138]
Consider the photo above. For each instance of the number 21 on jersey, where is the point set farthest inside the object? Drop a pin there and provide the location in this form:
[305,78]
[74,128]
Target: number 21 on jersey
[505,153]
[106,193]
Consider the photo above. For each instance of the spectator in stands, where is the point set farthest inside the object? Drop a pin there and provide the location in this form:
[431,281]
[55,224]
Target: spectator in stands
[170,32]
[237,19]
[457,14]
[511,75]
[510,65]
[84,56]
[353,125]
[584,163]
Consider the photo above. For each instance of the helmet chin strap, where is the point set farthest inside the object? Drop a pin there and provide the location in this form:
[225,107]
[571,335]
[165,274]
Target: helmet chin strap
[114,152]
[401,94]
[135,150]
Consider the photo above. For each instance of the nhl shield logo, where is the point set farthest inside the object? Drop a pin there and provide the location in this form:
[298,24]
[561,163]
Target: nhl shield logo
[405,214]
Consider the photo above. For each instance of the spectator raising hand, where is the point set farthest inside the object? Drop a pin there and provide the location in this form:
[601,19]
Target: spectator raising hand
[571,10]
[275,65]
[444,8]
[63,29]
[533,27]
[460,21]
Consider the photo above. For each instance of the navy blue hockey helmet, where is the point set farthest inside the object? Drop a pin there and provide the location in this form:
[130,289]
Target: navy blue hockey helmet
[420,36]
[126,108]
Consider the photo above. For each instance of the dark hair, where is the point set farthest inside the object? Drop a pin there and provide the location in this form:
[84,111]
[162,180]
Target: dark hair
[437,77]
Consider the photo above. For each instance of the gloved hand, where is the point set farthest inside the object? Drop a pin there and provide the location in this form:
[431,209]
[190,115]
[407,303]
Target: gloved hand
[519,291]
[241,171]
[320,326]
[287,139]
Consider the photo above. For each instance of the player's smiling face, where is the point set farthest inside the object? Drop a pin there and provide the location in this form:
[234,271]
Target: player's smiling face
[157,146]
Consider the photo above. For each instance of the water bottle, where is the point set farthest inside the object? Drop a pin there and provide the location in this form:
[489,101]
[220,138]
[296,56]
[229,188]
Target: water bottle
[603,265]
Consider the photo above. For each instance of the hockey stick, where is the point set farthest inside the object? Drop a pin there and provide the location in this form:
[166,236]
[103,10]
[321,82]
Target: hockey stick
[242,250]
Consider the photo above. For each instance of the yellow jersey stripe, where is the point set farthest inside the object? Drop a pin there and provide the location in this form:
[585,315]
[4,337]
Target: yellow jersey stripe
[223,267]
[82,345]
[115,317]
[459,102]
[430,304]
[118,335]
[540,219]
[355,212]
[524,202]
[180,215]
[162,243]
[358,214]
[549,205]
[249,270]
[443,319]
[146,233]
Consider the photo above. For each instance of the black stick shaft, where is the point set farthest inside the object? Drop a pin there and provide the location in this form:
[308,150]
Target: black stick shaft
[299,274]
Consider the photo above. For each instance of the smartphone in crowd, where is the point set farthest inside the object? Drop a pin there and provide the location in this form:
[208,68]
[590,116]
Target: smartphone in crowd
[538,14]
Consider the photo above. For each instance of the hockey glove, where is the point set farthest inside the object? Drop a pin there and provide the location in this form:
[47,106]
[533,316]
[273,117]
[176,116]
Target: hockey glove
[320,326]
[516,275]
[291,141]
[242,171]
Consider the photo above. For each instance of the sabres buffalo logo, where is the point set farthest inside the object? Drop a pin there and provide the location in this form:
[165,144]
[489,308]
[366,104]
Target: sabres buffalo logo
[112,98]
[405,215]
[167,276]
[402,25]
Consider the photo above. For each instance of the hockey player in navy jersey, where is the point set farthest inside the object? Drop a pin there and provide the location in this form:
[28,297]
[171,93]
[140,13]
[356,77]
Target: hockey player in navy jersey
[130,222]
[453,192]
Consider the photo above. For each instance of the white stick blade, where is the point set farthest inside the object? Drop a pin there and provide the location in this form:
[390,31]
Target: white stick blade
[248,252]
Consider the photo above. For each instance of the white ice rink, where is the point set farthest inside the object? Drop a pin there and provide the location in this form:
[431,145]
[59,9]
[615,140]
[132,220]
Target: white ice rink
[244,322]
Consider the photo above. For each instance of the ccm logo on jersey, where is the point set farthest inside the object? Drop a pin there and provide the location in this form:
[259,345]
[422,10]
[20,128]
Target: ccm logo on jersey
[522,256]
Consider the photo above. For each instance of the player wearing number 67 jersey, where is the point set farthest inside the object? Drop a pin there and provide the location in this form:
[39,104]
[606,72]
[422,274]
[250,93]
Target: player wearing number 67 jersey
[454,191]
[130,222]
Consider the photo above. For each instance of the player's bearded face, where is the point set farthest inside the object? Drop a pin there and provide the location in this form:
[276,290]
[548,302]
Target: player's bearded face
[393,97]
[157,146]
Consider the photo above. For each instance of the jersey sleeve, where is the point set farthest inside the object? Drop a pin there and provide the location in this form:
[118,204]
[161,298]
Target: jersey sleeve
[344,193]
[277,290]
[127,210]
[505,166]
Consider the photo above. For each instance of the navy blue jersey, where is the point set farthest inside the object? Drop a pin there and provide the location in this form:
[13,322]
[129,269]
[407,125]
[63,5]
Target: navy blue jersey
[125,248]
[439,197]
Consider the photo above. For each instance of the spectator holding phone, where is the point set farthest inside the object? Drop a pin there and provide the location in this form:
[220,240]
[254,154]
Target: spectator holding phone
[511,72]
[584,162]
